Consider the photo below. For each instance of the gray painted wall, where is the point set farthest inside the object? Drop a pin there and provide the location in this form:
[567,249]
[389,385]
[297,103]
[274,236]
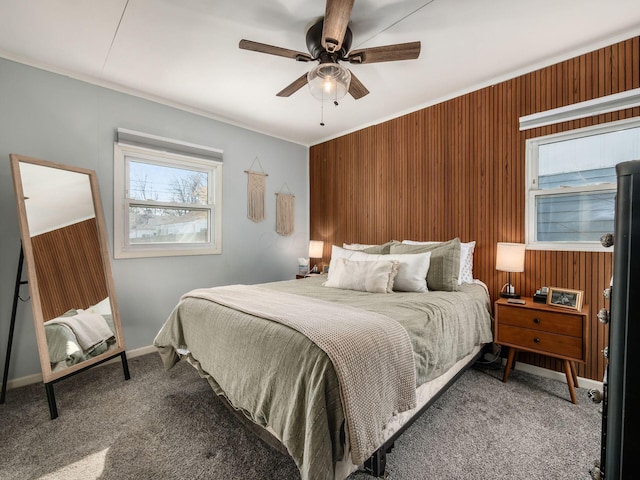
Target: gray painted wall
[52,117]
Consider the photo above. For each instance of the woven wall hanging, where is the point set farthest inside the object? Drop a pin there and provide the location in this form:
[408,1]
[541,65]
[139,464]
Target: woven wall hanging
[256,192]
[284,212]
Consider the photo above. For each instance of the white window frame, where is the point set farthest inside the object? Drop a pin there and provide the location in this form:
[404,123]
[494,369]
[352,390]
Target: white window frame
[123,248]
[531,186]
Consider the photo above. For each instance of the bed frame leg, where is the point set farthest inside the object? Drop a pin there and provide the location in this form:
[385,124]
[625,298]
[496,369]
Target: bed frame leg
[376,463]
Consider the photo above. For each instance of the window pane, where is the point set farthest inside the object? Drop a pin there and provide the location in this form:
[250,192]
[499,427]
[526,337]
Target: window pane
[589,160]
[167,184]
[582,217]
[167,225]
[585,177]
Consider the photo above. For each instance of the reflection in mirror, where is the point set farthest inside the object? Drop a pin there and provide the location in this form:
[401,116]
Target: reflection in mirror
[66,251]
[69,275]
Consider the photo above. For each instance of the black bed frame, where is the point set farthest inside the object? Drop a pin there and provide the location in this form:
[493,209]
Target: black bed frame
[375,465]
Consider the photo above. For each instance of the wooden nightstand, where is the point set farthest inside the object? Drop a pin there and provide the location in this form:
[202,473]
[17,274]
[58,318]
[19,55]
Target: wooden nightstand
[547,330]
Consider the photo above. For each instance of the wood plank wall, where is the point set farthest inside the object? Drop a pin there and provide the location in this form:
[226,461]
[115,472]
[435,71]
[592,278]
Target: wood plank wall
[458,169]
[69,268]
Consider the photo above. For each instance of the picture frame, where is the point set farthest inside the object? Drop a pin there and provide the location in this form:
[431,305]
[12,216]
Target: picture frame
[565,298]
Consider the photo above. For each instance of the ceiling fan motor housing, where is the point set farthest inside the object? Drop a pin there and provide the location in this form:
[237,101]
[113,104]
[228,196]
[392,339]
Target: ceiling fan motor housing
[317,51]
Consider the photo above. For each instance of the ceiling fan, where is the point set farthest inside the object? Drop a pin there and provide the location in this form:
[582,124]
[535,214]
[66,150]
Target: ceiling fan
[329,41]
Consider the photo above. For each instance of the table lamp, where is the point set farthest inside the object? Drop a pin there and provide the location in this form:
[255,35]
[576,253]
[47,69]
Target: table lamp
[510,258]
[316,248]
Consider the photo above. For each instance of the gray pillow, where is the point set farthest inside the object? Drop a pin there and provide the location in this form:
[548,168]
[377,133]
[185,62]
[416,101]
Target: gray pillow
[445,263]
[384,249]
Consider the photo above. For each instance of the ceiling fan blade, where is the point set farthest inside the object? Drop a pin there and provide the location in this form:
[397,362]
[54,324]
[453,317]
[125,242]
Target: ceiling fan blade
[271,50]
[387,53]
[336,19]
[293,87]
[356,88]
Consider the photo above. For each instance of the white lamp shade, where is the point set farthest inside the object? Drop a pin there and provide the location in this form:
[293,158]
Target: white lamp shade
[510,257]
[316,248]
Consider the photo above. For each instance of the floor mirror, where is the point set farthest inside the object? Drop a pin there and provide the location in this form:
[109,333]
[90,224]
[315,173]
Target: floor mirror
[64,248]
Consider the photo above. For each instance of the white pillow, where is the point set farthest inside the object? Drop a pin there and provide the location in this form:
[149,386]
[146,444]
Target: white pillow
[374,277]
[466,259]
[412,272]
[103,307]
[356,246]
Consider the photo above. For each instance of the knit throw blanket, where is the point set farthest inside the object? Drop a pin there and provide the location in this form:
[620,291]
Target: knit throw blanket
[88,328]
[371,354]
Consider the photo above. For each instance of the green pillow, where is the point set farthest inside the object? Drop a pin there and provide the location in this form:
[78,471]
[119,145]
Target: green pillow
[384,249]
[445,263]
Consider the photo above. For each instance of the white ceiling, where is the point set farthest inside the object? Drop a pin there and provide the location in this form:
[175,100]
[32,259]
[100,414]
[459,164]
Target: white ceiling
[185,52]
[54,197]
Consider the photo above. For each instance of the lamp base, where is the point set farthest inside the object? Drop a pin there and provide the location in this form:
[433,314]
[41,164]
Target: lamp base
[509,295]
[508,291]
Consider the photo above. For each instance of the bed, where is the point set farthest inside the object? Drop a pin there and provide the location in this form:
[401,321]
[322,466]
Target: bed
[284,382]
[80,334]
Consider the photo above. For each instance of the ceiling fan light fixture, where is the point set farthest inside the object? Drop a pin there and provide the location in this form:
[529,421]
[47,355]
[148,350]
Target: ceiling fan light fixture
[329,81]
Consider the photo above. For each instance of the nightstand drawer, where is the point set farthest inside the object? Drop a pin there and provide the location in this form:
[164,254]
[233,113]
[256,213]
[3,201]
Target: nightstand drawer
[552,322]
[542,342]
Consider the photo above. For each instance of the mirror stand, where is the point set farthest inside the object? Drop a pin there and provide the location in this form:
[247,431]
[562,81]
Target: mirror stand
[14,309]
[51,399]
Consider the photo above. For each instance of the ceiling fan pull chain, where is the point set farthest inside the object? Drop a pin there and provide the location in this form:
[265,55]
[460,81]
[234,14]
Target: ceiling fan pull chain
[322,114]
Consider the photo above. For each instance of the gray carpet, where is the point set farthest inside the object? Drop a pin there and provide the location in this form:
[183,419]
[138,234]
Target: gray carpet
[169,425]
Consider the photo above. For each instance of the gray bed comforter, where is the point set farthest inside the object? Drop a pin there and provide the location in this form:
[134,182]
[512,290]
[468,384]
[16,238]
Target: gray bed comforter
[279,379]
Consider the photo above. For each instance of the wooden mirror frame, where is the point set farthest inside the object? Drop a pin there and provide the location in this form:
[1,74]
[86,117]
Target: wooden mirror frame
[49,376]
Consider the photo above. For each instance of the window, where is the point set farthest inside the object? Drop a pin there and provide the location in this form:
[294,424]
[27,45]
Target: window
[166,203]
[571,182]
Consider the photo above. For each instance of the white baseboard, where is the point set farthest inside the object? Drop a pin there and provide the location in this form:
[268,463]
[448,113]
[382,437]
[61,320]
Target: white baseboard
[546,373]
[525,367]
[37,377]
[22,381]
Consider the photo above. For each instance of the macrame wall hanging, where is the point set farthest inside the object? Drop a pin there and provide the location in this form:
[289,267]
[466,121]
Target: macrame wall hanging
[255,192]
[284,211]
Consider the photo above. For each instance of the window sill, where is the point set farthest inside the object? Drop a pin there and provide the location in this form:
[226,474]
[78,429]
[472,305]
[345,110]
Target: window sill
[165,252]
[569,247]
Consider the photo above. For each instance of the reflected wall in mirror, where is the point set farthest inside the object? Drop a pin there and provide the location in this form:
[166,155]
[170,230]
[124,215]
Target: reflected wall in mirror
[69,274]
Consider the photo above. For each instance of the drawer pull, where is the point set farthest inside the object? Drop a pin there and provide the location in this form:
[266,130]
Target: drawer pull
[536,320]
[536,340]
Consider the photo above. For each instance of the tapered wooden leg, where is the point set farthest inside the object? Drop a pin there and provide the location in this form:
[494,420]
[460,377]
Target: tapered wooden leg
[507,368]
[569,374]
[574,374]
